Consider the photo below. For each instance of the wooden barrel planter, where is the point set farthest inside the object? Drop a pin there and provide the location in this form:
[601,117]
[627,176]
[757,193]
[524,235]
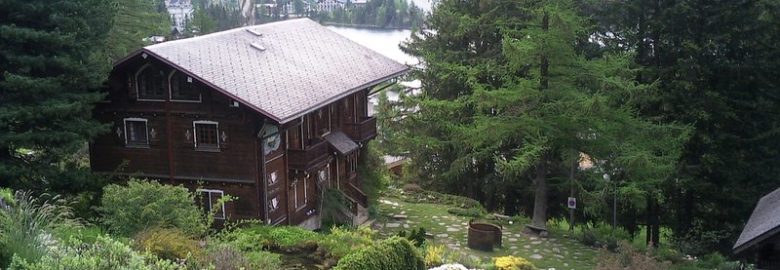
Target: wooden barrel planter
[484,236]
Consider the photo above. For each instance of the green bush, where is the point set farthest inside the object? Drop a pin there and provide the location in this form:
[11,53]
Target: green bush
[395,253]
[416,236]
[25,228]
[141,205]
[335,208]
[227,257]
[341,242]
[603,235]
[257,237]
[167,243]
[467,212]
[105,253]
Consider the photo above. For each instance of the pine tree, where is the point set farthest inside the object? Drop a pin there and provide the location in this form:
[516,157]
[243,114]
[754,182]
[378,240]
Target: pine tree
[508,97]
[51,63]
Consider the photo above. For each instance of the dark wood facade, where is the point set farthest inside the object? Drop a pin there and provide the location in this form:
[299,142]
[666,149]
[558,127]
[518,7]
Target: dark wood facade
[169,126]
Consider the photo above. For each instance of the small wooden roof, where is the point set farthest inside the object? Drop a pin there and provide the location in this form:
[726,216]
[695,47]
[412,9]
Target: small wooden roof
[763,223]
[282,69]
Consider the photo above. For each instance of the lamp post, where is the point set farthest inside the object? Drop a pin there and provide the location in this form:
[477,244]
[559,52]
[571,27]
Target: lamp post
[614,203]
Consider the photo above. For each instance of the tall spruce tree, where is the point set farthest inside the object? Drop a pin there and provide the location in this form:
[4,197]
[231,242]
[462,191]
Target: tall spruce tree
[514,103]
[51,63]
[716,66]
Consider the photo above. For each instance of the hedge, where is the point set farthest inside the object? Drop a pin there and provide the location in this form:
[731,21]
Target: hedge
[395,253]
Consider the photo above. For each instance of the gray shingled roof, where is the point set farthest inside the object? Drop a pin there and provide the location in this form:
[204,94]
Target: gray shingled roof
[763,223]
[299,67]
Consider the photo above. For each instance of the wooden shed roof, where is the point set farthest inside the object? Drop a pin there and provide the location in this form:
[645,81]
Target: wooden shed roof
[282,69]
[763,223]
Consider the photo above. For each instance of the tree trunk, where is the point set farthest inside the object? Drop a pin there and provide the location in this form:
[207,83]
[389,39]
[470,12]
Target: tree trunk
[540,195]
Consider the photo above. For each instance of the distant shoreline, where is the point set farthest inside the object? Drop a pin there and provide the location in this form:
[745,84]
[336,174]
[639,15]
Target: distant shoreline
[364,26]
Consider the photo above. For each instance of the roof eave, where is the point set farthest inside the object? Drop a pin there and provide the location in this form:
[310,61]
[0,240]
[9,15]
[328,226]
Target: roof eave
[342,95]
[752,242]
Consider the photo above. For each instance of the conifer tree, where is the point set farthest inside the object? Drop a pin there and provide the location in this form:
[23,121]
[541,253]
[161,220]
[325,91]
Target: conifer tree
[515,100]
[51,61]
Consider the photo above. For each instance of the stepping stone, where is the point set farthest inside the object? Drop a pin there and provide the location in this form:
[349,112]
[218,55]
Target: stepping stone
[527,246]
[513,247]
[556,250]
[406,226]
[401,216]
[442,235]
[512,239]
[533,238]
[536,242]
[558,256]
[450,229]
[536,257]
[392,225]
[442,224]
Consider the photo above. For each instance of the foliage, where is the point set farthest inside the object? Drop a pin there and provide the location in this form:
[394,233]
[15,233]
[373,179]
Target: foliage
[25,228]
[227,257]
[374,175]
[628,258]
[134,21]
[391,254]
[167,243]
[513,263]
[467,212]
[335,208]
[257,237]
[416,236]
[377,13]
[427,196]
[434,255]
[104,254]
[53,60]
[509,102]
[340,241]
[602,235]
[725,89]
[142,205]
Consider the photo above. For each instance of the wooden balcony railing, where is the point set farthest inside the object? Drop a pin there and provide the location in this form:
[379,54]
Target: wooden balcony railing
[313,154]
[362,131]
[357,194]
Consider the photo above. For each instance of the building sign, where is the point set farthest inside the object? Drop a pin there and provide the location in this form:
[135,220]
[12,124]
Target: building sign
[572,203]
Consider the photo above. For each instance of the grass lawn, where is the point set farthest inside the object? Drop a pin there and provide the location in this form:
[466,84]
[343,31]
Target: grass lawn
[555,251]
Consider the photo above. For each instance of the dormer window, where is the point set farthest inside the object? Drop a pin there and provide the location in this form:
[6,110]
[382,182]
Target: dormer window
[150,83]
[184,88]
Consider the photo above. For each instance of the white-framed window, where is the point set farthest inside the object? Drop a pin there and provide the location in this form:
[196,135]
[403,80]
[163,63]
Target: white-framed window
[300,195]
[136,132]
[150,83]
[209,199]
[183,88]
[206,135]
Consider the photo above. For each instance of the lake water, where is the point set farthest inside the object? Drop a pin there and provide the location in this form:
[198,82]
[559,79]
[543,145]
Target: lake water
[383,41]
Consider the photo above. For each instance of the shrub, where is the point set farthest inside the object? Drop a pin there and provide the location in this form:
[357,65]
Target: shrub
[141,205]
[25,228]
[227,257]
[627,258]
[603,235]
[467,212]
[258,237]
[412,188]
[335,208]
[341,242]
[512,263]
[416,236]
[167,243]
[105,253]
[433,255]
[395,253]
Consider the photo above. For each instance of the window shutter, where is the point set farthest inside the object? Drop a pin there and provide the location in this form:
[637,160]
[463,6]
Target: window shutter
[132,93]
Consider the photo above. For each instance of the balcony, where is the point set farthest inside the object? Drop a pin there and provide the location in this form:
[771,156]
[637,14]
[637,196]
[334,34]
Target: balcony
[314,154]
[362,131]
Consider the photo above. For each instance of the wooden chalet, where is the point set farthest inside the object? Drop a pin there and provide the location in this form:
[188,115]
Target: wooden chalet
[759,241]
[271,114]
